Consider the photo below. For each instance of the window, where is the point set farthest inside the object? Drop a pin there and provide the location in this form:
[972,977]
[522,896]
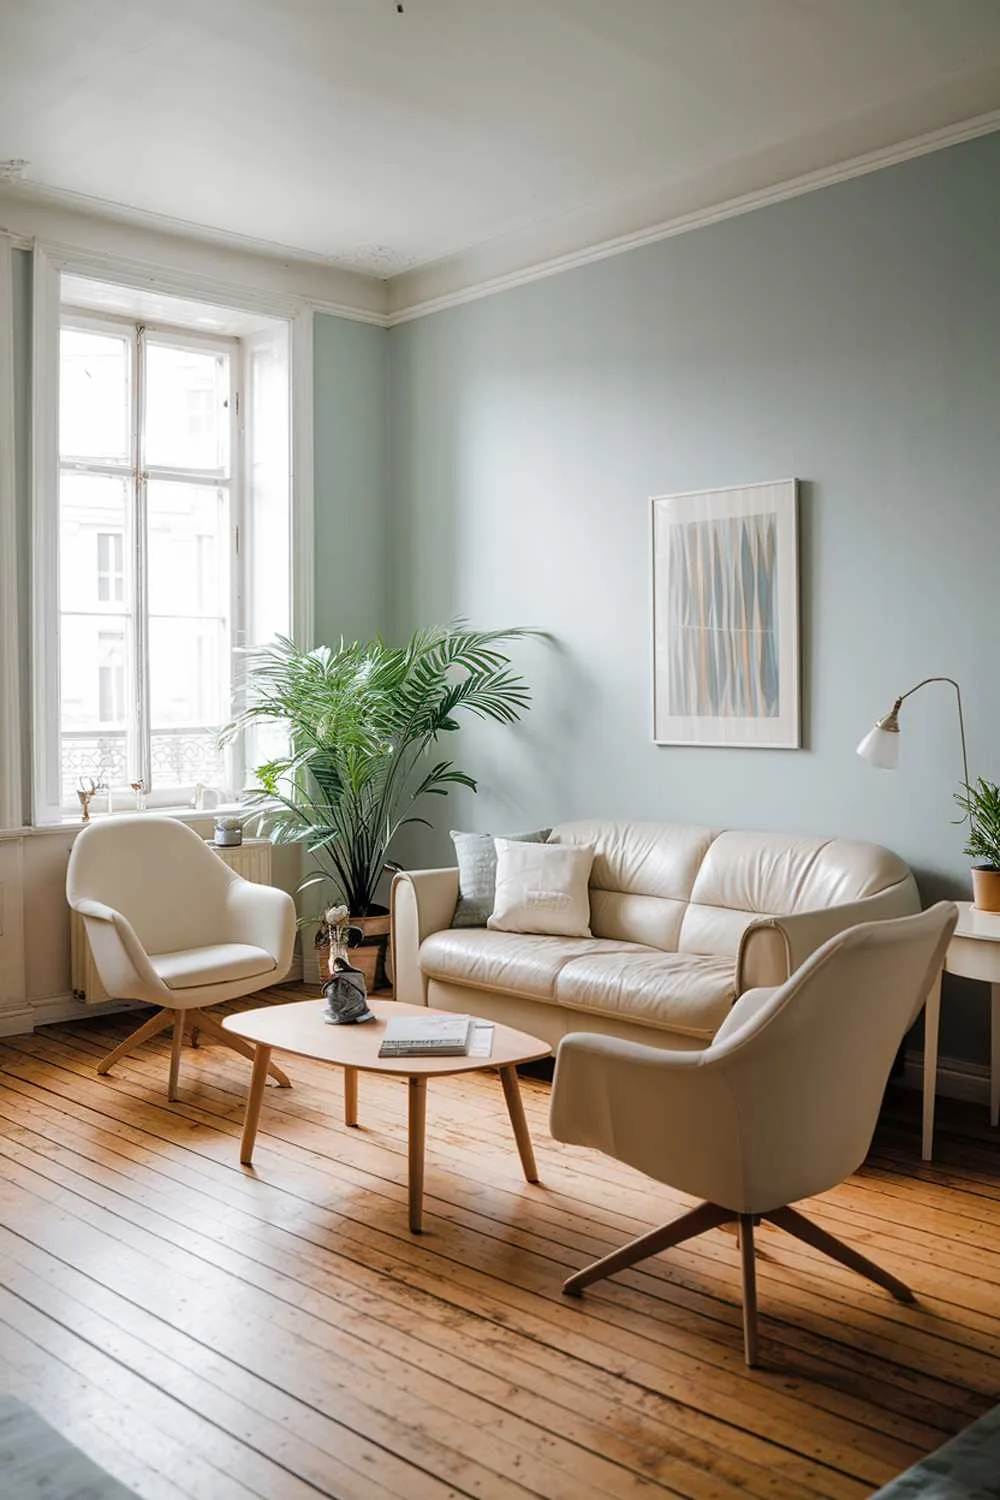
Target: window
[146,451]
[168,549]
[164,536]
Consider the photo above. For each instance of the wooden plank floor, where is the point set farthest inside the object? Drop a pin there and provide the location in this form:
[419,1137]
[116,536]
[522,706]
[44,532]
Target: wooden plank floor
[204,1330]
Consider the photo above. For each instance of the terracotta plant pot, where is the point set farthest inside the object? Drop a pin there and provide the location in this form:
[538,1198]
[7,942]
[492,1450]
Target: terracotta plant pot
[985,888]
[370,954]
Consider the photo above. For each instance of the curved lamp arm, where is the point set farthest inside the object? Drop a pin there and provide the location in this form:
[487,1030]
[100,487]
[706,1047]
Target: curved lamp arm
[890,725]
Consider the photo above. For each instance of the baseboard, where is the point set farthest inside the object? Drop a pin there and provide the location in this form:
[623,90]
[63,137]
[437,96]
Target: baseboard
[59,1008]
[17,1022]
[67,1008]
[956,1078]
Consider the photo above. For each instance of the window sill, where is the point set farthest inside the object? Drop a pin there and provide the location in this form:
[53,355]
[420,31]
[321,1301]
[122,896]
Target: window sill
[182,814]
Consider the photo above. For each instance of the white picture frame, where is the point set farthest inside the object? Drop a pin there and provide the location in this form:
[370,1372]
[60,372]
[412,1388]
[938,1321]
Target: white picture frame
[725,609]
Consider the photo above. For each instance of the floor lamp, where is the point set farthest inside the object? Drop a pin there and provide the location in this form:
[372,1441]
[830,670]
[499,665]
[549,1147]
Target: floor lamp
[880,746]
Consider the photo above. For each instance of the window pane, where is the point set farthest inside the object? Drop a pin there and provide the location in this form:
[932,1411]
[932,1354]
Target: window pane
[187,408]
[94,671]
[98,756]
[188,528]
[93,524]
[183,758]
[94,396]
[95,630]
[189,632]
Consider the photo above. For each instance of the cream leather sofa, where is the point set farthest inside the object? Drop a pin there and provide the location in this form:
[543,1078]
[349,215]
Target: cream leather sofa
[685,921]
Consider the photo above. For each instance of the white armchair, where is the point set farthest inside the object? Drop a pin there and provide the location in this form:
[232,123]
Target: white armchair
[781,1106]
[172,926]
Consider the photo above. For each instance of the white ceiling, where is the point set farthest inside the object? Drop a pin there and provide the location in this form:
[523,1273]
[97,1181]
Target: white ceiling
[343,131]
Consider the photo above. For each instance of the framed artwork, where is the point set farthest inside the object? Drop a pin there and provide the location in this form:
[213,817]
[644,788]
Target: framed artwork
[726,617]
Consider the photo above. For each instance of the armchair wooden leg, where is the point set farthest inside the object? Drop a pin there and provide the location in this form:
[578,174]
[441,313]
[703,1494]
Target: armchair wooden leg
[218,1033]
[177,1042]
[696,1221]
[156,1023]
[796,1224]
[749,1288]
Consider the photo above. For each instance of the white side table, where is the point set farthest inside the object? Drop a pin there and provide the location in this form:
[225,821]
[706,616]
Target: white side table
[973,953]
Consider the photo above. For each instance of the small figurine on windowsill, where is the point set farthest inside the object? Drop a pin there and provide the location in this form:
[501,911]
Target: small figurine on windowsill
[87,791]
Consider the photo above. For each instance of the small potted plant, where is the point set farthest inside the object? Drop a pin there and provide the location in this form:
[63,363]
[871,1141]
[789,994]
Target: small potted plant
[981,804]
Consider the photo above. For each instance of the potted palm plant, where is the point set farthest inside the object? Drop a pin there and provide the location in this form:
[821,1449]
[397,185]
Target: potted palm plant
[981,804]
[362,720]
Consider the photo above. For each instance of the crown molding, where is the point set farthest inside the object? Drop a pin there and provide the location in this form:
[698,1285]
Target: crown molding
[413,295]
[231,266]
[218,266]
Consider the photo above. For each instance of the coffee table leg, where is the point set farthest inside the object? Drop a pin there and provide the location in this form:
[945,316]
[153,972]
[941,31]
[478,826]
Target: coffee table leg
[515,1108]
[350,1096]
[418,1123]
[258,1078]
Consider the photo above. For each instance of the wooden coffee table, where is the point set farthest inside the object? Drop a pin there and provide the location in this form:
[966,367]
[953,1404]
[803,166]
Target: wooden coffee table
[300,1028]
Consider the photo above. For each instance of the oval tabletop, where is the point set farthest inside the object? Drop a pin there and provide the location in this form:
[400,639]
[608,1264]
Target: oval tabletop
[300,1028]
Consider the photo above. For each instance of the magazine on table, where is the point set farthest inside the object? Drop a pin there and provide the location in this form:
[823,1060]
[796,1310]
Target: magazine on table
[427,1036]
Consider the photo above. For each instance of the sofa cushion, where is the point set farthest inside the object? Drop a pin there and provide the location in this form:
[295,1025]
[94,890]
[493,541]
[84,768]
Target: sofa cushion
[642,876]
[542,888]
[476,854]
[687,994]
[523,963]
[675,991]
[745,875]
[220,963]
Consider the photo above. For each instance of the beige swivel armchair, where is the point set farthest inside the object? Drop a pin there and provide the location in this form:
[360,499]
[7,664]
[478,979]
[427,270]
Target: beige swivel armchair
[781,1106]
[172,926]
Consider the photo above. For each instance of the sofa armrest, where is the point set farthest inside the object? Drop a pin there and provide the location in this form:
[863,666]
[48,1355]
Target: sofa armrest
[772,948]
[422,902]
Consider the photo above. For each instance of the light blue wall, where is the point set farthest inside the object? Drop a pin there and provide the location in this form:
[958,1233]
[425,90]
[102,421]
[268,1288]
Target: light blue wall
[850,337]
[351,478]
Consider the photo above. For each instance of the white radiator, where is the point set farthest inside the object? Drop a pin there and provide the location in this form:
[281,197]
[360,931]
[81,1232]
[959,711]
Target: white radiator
[251,859]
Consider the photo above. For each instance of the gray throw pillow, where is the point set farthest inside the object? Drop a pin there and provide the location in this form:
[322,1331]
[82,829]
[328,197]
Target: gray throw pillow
[477,873]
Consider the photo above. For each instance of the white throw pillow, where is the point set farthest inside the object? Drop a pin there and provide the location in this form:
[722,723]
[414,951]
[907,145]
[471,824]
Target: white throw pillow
[542,888]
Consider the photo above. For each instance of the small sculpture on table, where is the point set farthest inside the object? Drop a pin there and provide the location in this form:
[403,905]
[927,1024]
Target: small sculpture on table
[346,991]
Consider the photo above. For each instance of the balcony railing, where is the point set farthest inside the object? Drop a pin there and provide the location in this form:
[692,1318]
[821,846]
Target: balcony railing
[181,756]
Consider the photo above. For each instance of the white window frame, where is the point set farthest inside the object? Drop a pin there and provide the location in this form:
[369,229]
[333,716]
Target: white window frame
[138,472]
[11,809]
[49,264]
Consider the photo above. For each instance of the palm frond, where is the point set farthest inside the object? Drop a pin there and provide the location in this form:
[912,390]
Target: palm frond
[361,719]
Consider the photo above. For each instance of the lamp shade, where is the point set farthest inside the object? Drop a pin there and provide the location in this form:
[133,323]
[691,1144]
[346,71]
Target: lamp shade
[880,747]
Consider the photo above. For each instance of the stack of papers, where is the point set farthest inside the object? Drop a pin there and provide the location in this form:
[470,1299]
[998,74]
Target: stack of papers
[427,1036]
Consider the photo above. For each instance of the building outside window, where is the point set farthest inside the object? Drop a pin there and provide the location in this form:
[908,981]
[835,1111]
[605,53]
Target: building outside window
[110,575]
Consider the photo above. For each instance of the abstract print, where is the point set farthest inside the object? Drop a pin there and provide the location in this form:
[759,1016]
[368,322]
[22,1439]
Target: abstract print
[721,611]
